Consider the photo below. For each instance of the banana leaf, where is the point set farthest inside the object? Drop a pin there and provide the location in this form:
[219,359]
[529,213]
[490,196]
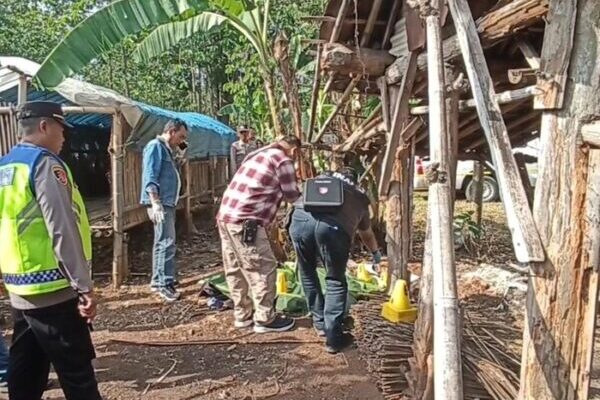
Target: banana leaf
[293,301]
[103,30]
[168,35]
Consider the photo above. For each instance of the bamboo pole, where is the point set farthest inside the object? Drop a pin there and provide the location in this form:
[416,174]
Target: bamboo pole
[339,21]
[72,110]
[368,31]
[447,370]
[119,268]
[187,205]
[506,97]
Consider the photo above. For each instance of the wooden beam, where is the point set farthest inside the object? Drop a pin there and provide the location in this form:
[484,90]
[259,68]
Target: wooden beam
[478,187]
[337,27]
[447,367]
[511,126]
[346,60]
[368,31]
[522,75]
[315,94]
[556,54]
[346,21]
[501,23]
[187,205]
[359,135]
[22,89]
[384,94]
[341,103]
[399,118]
[559,329]
[119,265]
[524,177]
[591,134]
[526,241]
[530,54]
[501,98]
[391,22]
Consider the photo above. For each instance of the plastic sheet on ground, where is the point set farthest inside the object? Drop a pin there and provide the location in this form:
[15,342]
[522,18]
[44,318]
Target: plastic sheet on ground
[293,300]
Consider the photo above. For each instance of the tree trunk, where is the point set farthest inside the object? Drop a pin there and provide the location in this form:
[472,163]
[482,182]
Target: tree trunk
[273,106]
[281,54]
[558,336]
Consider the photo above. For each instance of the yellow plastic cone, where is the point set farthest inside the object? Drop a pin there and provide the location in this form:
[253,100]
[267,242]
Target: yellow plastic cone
[362,274]
[282,286]
[399,309]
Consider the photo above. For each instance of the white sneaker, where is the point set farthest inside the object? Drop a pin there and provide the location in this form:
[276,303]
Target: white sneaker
[243,324]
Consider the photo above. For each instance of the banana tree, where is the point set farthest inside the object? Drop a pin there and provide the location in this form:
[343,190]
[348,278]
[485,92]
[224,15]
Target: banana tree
[169,21]
[252,24]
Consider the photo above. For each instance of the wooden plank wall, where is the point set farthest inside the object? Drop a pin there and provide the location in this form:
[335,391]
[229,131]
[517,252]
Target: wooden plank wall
[8,130]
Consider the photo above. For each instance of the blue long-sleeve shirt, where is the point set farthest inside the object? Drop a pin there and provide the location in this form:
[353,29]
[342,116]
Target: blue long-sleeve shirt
[160,174]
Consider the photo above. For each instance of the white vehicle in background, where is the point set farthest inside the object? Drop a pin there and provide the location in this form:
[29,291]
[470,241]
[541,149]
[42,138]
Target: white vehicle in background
[464,174]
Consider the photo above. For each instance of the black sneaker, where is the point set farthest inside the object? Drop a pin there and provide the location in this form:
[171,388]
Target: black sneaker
[169,294]
[279,324]
[339,345]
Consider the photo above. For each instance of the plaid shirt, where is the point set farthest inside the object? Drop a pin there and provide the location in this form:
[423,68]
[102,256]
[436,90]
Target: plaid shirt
[265,178]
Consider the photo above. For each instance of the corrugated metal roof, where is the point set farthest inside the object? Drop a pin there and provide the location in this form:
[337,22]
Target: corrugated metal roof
[399,39]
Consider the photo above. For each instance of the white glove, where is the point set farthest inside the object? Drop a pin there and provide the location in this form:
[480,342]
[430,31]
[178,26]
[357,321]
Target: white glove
[158,213]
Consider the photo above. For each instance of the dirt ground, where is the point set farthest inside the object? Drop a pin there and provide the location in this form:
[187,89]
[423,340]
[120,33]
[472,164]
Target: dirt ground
[240,364]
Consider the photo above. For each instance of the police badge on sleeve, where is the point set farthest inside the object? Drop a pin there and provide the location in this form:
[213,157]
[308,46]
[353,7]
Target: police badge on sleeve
[60,174]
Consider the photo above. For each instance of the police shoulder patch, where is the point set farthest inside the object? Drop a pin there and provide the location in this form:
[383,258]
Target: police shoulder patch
[60,174]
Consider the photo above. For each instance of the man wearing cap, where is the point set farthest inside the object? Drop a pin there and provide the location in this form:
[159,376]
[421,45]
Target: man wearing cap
[46,256]
[240,149]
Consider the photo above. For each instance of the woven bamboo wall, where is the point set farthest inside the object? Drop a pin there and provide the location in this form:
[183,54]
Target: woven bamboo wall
[8,130]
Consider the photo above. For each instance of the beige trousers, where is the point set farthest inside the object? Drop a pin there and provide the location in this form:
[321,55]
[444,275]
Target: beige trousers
[250,271]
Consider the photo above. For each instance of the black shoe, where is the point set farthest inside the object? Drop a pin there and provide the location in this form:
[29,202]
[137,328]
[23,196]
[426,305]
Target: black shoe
[279,324]
[169,294]
[339,344]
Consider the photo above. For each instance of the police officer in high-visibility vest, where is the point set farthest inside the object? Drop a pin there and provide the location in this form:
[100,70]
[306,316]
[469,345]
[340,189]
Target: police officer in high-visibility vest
[45,261]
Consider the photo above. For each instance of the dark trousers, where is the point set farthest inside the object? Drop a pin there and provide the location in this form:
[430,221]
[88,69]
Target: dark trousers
[57,335]
[318,238]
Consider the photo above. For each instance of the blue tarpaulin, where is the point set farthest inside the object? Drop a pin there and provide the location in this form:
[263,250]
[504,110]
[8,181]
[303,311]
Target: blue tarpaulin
[207,136]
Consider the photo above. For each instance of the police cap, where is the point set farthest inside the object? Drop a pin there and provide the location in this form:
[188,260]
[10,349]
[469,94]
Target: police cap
[41,109]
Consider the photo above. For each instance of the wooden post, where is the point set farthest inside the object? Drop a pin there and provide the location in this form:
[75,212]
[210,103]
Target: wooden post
[526,240]
[368,31]
[447,366]
[478,195]
[22,90]
[524,178]
[119,267]
[558,334]
[399,117]
[187,205]
[281,54]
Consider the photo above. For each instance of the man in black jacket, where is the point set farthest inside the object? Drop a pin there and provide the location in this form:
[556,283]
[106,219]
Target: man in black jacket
[328,235]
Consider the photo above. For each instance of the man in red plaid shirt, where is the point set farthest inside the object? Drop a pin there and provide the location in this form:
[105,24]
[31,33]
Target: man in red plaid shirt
[265,178]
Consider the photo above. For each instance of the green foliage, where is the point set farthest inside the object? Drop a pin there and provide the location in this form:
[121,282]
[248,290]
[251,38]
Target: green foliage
[214,72]
[467,233]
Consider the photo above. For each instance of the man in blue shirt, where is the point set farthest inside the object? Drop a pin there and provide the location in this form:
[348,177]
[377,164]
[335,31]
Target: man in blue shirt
[161,185]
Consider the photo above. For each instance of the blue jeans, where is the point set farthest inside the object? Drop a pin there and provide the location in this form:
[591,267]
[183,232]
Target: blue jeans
[3,360]
[314,238]
[163,252]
